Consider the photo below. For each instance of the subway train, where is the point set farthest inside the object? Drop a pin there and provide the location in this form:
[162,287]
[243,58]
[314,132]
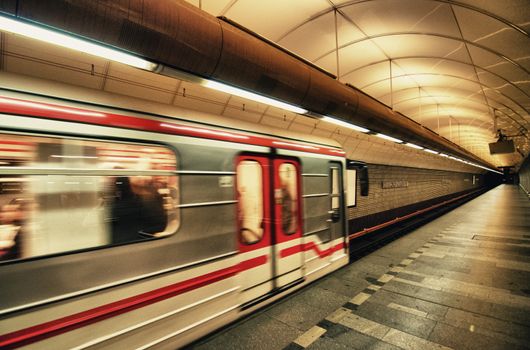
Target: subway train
[122,229]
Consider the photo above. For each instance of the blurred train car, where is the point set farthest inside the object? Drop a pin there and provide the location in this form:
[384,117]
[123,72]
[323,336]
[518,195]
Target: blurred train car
[121,229]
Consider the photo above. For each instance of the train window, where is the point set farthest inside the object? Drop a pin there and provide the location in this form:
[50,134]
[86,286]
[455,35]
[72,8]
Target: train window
[289,200]
[250,205]
[351,176]
[364,181]
[335,189]
[59,195]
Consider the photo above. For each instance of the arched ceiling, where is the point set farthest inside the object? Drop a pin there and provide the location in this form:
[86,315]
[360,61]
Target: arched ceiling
[460,68]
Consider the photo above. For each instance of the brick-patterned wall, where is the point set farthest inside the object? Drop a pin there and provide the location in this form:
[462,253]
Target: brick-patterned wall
[405,187]
[524,175]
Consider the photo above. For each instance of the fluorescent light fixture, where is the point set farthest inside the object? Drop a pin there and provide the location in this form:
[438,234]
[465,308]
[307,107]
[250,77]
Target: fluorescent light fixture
[430,151]
[413,145]
[469,163]
[389,138]
[252,96]
[71,42]
[443,155]
[344,124]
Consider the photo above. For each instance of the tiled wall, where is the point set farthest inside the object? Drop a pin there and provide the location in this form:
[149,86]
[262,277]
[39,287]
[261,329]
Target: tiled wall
[406,186]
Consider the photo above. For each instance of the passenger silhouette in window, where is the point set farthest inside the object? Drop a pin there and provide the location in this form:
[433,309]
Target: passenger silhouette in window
[137,208]
[11,223]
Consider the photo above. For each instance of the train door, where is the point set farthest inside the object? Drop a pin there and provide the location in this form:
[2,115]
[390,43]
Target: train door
[325,241]
[287,239]
[254,224]
[336,210]
[269,225]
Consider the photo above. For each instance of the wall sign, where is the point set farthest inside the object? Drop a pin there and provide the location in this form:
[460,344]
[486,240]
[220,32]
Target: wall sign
[394,184]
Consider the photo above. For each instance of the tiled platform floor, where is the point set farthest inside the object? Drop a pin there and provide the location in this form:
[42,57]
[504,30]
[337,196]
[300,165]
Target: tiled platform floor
[461,282]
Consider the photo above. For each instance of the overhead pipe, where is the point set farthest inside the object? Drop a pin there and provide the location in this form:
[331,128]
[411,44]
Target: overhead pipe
[188,42]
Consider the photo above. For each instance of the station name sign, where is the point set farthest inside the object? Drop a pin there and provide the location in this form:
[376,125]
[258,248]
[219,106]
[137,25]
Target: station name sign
[394,184]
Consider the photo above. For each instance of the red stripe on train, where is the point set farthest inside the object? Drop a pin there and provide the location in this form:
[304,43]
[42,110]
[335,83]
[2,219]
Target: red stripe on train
[19,150]
[62,325]
[19,143]
[310,246]
[58,112]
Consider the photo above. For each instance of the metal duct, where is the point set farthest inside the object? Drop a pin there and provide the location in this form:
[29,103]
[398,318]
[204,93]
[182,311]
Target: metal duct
[181,36]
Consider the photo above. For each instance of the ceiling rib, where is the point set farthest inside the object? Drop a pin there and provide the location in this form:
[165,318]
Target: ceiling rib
[486,13]
[442,59]
[438,35]
[490,122]
[456,77]
[451,2]
[452,96]
[301,24]
[227,7]
[441,104]
[469,55]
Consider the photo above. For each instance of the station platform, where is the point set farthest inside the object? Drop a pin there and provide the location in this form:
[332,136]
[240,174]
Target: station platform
[461,281]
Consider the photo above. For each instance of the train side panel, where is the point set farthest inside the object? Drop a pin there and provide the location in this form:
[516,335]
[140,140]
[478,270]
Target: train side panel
[161,287]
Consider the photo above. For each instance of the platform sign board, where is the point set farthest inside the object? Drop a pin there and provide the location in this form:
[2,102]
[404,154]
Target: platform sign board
[500,147]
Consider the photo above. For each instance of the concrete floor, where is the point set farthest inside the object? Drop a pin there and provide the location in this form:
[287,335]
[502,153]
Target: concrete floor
[461,282]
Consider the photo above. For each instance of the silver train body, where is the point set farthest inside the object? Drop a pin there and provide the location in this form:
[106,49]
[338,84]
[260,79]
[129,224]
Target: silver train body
[236,221]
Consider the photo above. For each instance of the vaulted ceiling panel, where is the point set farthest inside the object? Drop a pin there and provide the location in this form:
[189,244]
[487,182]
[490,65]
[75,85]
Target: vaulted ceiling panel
[324,41]
[435,65]
[363,75]
[493,33]
[357,55]
[399,45]
[272,19]
[379,17]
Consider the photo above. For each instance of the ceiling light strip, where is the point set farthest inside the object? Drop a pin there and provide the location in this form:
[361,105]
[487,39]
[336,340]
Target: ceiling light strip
[411,145]
[252,96]
[460,160]
[54,37]
[389,138]
[430,151]
[344,124]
